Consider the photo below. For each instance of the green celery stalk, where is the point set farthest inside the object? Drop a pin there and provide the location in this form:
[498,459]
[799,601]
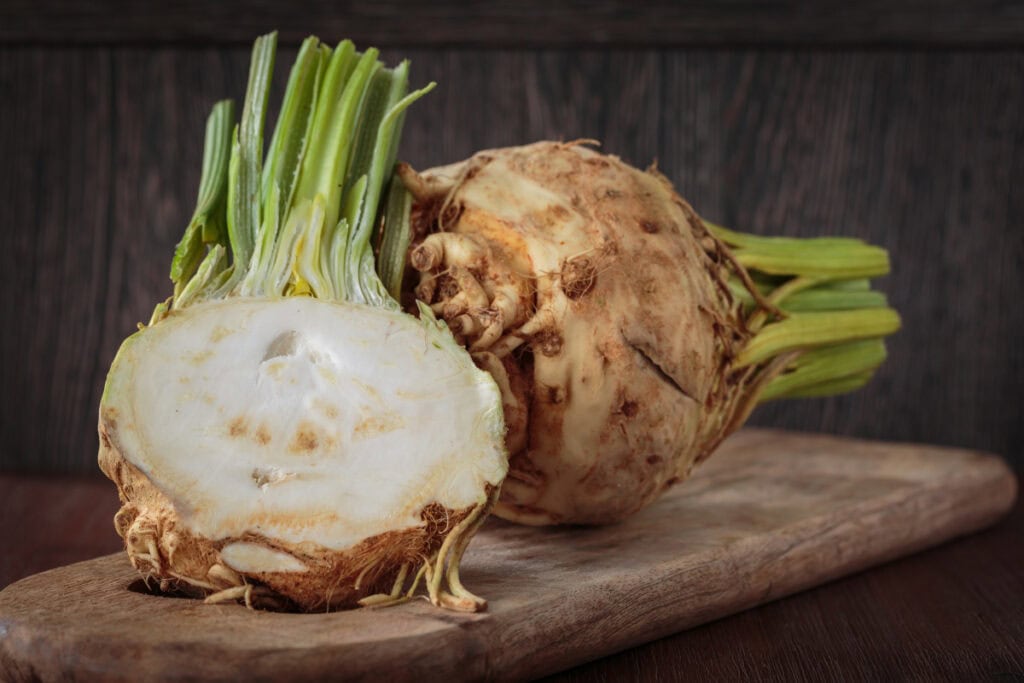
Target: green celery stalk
[813,371]
[809,330]
[244,171]
[290,139]
[395,237]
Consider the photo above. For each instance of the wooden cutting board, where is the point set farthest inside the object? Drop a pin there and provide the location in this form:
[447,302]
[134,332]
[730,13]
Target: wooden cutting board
[772,513]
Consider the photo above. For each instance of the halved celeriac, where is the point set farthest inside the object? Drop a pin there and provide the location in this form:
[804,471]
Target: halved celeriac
[319,449]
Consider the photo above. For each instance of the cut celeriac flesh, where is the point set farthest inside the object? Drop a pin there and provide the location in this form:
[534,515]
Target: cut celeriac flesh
[281,432]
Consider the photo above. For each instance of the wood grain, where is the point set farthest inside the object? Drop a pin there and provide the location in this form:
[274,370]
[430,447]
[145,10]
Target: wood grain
[775,513]
[954,613]
[916,151]
[525,22]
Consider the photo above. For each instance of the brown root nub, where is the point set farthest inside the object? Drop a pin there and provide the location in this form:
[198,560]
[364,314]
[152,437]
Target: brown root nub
[578,276]
[426,257]
[420,189]
[548,343]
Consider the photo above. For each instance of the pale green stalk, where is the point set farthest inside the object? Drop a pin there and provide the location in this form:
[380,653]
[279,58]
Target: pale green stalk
[299,221]
[818,310]
[395,238]
[207,220]
[244,215]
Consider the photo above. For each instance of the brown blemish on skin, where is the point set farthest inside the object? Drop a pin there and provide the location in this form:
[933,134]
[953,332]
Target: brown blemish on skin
[578,276]
[110,415]
[550,216]
[554,394]
[559,212]
[653,459]
[629,408]
[649,226]
[548,343]
[108,424]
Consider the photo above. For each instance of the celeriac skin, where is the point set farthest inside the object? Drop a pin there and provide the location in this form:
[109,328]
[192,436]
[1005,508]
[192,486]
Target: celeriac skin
[598,300]
[628,335]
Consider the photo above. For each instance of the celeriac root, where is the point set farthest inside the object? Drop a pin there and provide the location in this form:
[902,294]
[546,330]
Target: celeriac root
[441,570]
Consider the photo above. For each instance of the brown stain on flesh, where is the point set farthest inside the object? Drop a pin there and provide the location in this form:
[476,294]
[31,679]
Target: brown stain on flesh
[376,425]
[238,426]
[306,438]
[202,356]
[219,333]
[262,434]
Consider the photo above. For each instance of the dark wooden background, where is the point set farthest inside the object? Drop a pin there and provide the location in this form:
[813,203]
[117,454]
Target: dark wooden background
[899,122]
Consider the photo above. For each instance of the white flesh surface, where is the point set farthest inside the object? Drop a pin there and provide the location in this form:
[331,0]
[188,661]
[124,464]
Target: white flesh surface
[304,421]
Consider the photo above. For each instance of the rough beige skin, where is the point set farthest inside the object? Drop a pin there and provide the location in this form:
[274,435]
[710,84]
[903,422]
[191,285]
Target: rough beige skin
[595,296]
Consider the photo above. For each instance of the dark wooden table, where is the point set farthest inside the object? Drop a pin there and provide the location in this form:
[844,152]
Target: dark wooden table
[955,612]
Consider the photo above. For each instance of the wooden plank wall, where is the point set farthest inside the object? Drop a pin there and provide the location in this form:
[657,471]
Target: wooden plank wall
[902,126]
